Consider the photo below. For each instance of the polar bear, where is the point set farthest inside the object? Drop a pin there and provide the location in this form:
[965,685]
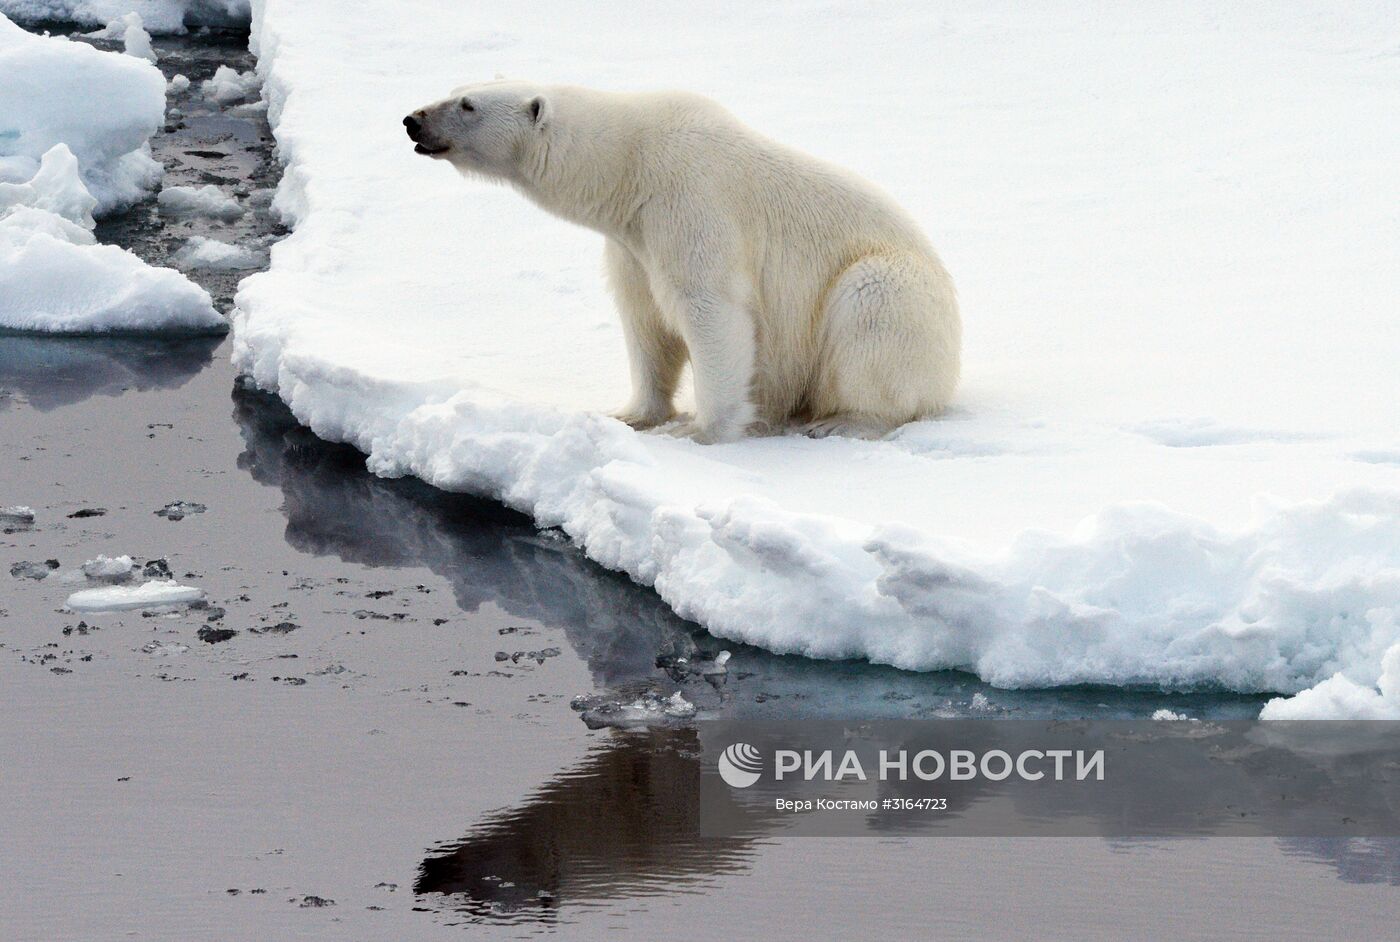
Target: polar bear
[796,290]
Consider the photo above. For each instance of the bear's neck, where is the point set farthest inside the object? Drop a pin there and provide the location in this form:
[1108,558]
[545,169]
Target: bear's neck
[589,180]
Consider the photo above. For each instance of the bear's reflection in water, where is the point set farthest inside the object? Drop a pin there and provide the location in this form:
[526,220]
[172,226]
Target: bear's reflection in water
[621,824]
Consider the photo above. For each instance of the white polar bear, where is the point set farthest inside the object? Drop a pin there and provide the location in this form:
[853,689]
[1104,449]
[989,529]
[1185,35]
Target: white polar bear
[795,289]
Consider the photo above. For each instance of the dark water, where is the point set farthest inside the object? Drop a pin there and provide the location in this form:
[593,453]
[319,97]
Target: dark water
[614,832]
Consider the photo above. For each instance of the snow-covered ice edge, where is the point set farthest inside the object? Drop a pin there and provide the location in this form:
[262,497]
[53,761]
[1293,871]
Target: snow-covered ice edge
[1303,597]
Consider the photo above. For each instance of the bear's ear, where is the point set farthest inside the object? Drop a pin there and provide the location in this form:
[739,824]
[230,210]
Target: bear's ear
[539,110]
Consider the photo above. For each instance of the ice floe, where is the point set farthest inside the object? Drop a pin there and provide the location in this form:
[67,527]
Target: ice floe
[53,277]
[148,595]
[103,106]
[1179,310]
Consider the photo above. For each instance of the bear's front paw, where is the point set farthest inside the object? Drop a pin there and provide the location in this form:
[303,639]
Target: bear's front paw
[712,434]
[642,419]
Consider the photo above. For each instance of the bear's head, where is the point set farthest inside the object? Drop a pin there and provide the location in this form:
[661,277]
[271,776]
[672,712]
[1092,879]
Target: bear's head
[482,129]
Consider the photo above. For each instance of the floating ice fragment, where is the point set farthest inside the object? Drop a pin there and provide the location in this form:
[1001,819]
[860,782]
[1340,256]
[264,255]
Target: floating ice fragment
[164,648]
[650,709]
[207,200]
[201,252]
[17,517]
[1168,715]
[132,32]
[153,594]
[229,85]
[179,509]
[32,570]
[109,568]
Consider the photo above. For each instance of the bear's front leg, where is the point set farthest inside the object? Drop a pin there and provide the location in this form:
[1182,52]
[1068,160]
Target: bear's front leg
[655,355]
[719,334]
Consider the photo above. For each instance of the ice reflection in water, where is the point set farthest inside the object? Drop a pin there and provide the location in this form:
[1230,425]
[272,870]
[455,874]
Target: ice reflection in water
[50,372]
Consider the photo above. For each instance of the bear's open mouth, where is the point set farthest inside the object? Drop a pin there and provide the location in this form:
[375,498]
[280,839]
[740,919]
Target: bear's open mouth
[430,151]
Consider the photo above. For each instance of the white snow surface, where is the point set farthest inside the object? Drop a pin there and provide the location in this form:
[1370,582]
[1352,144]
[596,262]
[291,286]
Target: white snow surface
[159,16]
[1174,232]
[54,278]
[120,598]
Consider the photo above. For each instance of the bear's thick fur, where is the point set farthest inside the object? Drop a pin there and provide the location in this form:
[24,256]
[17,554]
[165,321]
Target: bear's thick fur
[795,289]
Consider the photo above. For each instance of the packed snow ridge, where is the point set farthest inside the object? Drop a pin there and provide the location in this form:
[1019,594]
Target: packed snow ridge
[1159,468]
[74,126]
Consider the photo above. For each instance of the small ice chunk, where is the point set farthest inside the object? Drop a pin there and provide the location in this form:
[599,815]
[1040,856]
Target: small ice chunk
[200,252]
[211,635]
[252,109]
[31,570]
[153,594]
[678,707]
[18,515]
[179,509]
[229,85]
[136,41]
[207,200]
[164,648]
[177,85]
[650,709]
[1170,716]
[109,568]
[980,703]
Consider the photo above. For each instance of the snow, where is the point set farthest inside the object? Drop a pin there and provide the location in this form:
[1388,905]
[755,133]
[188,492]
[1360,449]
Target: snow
[207,200]
[53,277]
[201,252]
[229,85]
[1174,235]
[120,598]
[160,16]
[103,106]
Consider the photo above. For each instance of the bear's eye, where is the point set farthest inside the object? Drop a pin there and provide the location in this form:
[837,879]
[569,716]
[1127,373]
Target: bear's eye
[467,105]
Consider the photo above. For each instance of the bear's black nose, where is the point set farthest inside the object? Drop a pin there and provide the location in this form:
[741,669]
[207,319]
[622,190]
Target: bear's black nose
[415,127]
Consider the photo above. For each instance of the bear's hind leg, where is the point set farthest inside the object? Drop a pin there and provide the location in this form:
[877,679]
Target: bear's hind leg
[890,347]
